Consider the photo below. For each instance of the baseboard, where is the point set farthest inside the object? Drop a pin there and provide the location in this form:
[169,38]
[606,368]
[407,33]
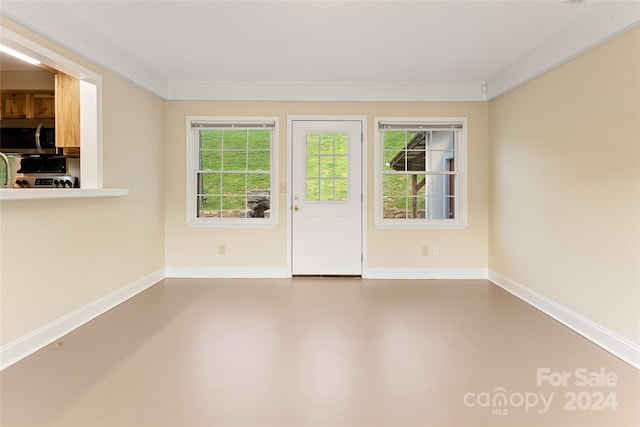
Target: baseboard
[609,341]
[226,273]
[426,273]
[24,346]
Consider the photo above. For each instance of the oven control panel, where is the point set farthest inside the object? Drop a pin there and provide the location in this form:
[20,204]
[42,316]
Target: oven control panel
[63,181]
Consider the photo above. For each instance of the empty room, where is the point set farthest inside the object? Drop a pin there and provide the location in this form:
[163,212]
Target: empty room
[319,213]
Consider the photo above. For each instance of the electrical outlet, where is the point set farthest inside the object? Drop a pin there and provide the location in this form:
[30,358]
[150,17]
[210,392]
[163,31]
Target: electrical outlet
[222,250]
[425,250]
[436,251]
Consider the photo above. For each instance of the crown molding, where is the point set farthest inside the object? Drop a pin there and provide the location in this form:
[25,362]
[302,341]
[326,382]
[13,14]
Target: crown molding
[326,91]
[600,25]
[597,27]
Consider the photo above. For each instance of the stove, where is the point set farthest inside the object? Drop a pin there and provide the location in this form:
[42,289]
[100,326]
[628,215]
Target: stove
[46,181]
[44,171]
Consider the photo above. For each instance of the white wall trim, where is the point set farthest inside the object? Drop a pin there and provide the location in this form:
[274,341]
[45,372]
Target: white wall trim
[54,193]
[28,344]
[611,342]
[326,91]
[426,273]
[227,273]
[599,26]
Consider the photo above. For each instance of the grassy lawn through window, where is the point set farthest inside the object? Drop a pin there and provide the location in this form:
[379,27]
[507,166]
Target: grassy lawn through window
[327,166]
[418,178]
[396,190]
[235,165]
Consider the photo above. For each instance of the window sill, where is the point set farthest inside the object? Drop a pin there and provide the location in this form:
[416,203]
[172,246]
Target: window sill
[60,193]
[240,223]
[416,225]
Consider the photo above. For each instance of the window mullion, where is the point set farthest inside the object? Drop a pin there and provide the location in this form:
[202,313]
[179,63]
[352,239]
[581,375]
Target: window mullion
[333,176]
[246,174]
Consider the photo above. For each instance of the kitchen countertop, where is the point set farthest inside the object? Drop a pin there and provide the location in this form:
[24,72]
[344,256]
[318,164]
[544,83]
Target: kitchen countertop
[7,194]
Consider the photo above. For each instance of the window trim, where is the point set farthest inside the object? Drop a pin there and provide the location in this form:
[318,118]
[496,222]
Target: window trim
[192,156]
[461,200]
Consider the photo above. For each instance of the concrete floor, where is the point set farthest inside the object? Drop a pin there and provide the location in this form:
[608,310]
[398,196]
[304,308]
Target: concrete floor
[321,352]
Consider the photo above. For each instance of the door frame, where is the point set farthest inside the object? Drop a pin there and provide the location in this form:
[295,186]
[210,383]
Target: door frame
[363,180]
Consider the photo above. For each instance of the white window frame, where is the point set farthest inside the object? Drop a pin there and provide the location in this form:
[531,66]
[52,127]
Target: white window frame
[461,165]
[192,153]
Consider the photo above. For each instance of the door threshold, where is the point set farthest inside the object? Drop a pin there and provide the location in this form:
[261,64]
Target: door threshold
[325,276]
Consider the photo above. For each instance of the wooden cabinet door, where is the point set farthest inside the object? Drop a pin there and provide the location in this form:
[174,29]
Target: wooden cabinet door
[15,105]
[43,106]
[67,112]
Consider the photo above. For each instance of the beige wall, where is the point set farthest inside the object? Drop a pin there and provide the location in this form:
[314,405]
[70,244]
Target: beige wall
[59,255]
[565,185]
[266,248]
[27,80]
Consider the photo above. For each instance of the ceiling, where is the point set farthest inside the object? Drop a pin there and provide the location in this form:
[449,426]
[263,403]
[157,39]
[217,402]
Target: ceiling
[9,63]
[187,49]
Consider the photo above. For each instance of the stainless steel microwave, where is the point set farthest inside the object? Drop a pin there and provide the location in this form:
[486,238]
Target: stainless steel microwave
[28,140]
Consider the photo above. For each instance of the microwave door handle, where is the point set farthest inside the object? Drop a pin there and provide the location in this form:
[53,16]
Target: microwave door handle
[38,146]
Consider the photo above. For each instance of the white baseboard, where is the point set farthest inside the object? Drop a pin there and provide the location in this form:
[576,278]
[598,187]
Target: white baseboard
[24,346]
[426,273]
[611,342]
[227,273]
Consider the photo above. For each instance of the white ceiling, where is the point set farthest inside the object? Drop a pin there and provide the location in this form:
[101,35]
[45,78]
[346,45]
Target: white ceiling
[10,63]
[192,49]
[323,41]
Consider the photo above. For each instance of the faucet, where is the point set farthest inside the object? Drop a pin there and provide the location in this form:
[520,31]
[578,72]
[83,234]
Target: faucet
[7,179]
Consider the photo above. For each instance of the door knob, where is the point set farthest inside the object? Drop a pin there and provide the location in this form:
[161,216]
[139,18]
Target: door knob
[296,208]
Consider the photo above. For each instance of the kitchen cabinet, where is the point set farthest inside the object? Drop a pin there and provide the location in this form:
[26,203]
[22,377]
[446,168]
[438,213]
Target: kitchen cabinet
[43,105]
[27,105]
[16,105]
[67,111]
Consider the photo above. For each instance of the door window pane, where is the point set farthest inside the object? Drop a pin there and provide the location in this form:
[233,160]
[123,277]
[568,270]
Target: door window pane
[327,166]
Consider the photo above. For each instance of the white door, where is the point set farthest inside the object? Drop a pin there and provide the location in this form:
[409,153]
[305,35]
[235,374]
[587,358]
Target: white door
[327,197]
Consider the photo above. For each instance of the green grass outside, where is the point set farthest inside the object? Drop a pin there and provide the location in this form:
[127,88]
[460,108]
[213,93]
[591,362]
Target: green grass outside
[3,171]
[327,166]
[235,162]
[396,189]
[229,154]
